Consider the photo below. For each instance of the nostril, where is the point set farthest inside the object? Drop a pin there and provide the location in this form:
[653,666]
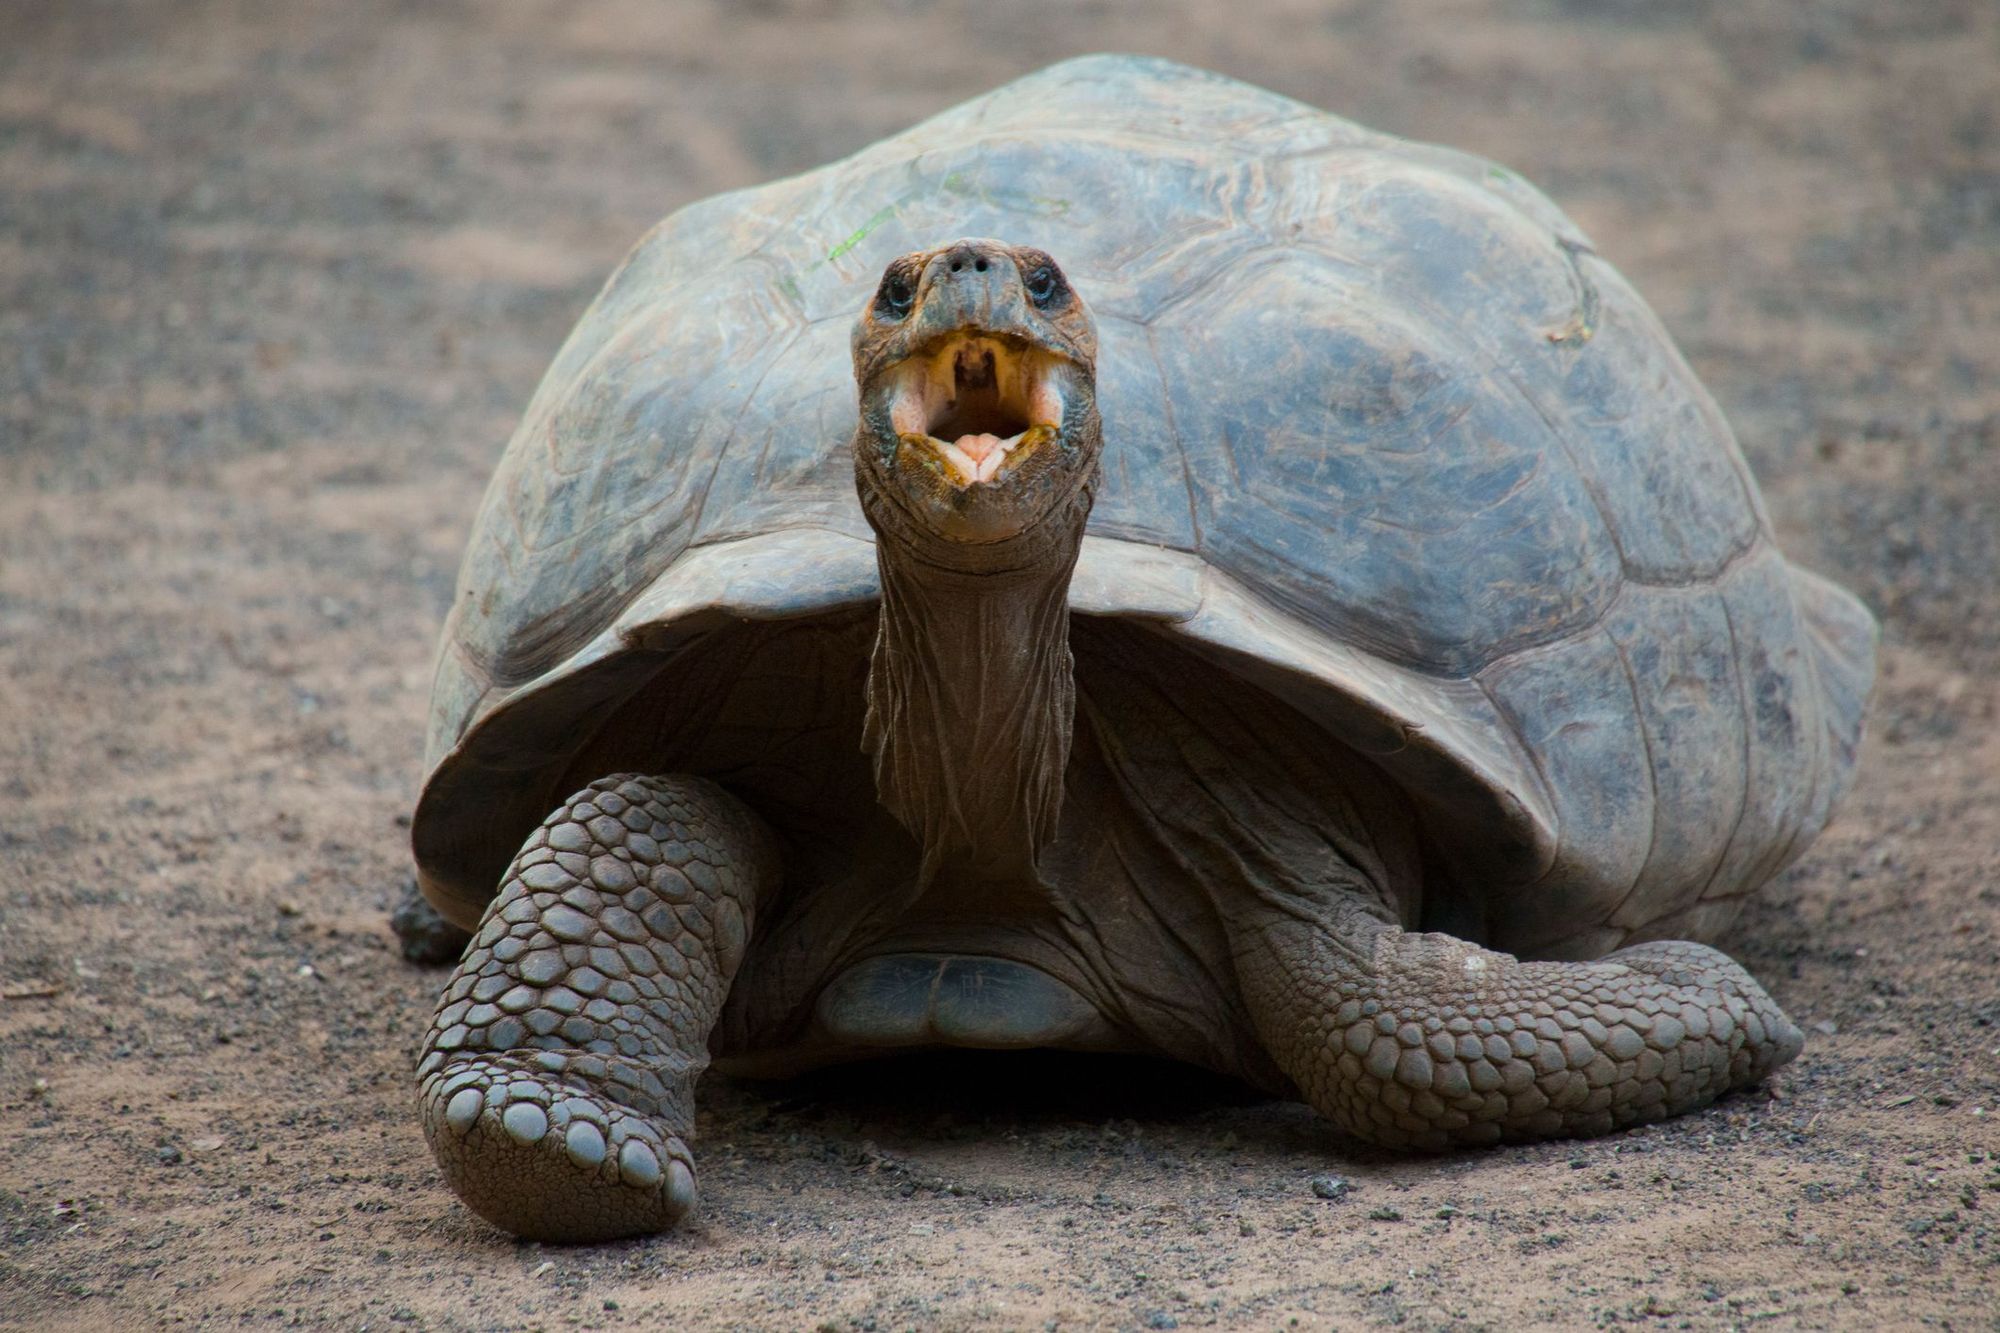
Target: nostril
[980,266]
[956,265]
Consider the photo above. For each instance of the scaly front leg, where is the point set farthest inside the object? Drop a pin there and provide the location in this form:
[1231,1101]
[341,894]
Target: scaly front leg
[558,1074]
[1424,1041]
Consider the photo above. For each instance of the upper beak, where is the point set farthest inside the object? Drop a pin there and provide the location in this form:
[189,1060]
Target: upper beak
[970,285]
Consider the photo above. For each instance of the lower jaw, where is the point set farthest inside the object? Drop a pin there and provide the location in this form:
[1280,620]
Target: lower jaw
[1023,519]
[929,451]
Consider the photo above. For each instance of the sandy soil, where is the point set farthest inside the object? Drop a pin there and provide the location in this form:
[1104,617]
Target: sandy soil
[274,281]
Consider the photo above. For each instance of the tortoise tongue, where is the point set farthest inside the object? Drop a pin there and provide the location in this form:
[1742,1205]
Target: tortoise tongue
[978,447]
[976,457]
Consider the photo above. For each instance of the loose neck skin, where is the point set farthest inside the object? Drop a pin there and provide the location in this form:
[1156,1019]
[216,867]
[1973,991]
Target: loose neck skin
[971,695]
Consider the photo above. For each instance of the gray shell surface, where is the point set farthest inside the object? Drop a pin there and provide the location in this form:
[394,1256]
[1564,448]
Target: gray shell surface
[1382,431]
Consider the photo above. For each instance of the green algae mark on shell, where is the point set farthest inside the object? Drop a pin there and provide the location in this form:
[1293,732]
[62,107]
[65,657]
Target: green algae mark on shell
[860,234]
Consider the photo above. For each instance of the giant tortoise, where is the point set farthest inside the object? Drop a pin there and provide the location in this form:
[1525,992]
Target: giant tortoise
[1280,588]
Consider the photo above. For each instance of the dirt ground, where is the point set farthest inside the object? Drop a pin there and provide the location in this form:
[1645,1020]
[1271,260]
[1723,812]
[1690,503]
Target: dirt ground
[275,281]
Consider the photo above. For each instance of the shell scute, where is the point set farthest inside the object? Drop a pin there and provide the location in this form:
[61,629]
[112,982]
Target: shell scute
[1349,465]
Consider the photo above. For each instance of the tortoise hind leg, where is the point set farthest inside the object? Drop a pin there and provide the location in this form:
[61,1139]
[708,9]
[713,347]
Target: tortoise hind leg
[1424,1041]
[557,1077]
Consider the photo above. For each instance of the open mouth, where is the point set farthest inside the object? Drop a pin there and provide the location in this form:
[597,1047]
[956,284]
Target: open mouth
[977,405]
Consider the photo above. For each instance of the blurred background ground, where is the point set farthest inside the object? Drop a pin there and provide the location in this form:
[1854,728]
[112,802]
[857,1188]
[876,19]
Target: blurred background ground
[275,281]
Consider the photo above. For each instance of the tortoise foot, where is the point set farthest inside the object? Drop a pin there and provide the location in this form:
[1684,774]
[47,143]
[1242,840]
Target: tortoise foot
[1425,1041]
[1767,1041]
[527,1143]
[557,1079]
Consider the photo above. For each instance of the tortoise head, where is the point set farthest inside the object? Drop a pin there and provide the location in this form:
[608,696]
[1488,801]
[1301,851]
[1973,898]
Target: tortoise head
[976,364]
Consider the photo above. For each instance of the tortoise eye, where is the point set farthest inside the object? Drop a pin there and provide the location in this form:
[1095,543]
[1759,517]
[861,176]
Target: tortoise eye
[896,295]
[1044,285]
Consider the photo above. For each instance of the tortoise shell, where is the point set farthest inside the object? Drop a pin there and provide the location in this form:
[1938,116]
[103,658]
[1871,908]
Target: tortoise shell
[1383,434]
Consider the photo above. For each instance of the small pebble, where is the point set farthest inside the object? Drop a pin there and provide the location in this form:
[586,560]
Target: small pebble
[1330,1187]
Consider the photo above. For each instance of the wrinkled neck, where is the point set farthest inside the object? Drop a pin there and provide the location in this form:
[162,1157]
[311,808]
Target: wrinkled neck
[971,701]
